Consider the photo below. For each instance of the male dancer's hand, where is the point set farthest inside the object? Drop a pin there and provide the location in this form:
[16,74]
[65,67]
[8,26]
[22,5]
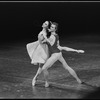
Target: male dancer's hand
[80,51]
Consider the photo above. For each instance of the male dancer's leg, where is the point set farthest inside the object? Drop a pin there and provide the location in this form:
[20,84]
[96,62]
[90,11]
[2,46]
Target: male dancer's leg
[54,57]
[38,72]
[52,60]
[71,71]
[46,75]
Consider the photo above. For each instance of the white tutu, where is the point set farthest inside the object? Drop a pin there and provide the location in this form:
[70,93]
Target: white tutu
[37,52]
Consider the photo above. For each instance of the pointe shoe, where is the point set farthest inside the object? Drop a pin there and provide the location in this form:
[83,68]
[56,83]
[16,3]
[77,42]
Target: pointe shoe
[33,82]
[46,84]
[79,81]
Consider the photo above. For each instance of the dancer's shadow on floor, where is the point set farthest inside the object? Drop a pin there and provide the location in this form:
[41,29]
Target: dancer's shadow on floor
[85,90]
[84,87]
[90,92]
[89,85]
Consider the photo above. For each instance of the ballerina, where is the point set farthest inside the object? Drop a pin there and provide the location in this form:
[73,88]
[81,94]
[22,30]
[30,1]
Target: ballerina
[38,51]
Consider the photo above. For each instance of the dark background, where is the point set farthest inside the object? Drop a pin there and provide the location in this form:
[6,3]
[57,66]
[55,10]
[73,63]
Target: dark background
[21,22]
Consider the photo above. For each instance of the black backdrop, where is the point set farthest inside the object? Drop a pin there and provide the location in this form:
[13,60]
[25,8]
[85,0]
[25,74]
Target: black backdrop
[22,21]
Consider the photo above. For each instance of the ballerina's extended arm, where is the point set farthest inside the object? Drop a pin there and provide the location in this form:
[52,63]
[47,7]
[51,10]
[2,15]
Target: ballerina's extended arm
[69,49]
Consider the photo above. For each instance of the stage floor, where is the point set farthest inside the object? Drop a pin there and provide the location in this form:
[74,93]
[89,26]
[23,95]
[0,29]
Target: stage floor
[16,73]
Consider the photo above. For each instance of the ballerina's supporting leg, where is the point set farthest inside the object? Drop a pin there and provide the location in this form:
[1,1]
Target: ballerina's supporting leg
[38,72]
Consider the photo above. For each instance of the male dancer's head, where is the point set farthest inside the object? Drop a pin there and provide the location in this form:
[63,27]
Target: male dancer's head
[54,27]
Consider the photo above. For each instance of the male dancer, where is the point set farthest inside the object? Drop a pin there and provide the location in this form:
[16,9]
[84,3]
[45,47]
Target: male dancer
[56,54]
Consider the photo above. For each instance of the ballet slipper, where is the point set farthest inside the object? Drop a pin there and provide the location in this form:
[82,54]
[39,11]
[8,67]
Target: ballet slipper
[79,81]
[46,84]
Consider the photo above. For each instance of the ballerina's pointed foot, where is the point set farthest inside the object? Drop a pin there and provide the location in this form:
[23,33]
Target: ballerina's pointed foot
[33,82]
[46,84]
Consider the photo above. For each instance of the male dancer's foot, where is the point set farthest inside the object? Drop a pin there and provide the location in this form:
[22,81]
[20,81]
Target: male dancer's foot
[79,81]
[46,84]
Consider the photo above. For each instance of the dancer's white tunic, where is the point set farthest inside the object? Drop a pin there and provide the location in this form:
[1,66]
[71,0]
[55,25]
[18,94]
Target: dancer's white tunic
[37,52]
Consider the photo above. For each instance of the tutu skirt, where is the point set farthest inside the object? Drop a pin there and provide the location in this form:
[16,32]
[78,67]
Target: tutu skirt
[37,52]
